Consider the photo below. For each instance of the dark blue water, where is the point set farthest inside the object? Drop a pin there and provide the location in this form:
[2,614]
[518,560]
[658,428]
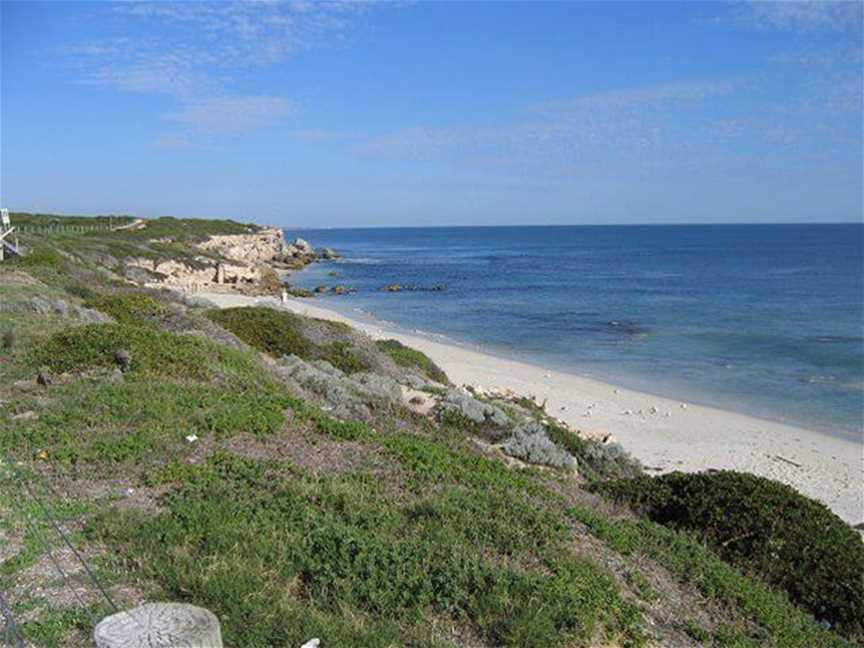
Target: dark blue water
[761,319]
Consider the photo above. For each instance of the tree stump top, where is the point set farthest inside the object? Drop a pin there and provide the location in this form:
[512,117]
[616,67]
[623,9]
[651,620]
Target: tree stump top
[159,625]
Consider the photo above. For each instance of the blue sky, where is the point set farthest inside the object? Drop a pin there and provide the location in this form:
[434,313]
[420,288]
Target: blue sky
[434,113]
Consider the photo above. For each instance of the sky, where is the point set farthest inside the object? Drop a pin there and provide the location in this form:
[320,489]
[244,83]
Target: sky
[341,114]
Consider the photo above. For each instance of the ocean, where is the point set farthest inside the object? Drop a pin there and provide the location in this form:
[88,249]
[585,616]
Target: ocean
[761,319]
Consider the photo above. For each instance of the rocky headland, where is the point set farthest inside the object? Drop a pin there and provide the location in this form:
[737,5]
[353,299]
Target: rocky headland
[252,263]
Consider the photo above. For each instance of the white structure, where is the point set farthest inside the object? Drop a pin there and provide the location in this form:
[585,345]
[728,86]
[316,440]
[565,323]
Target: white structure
[6,228]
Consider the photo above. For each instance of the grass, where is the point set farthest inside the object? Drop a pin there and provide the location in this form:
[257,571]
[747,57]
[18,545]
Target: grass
[405,356]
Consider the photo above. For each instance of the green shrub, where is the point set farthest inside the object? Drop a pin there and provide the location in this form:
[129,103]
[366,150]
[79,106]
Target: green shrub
[40,257]
[596,460]
[81,291]
[770,618]
[405,356]
[128,308]
[279,333]
[273,332]
[767,529]
[153,352]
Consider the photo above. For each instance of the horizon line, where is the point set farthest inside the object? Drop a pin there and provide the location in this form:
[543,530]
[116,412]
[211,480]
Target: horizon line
[513,225]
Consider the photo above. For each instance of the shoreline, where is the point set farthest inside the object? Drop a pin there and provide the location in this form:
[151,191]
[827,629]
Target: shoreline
[360,316]
[664,434]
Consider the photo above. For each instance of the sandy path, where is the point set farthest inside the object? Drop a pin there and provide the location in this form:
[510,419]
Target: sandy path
[664,434]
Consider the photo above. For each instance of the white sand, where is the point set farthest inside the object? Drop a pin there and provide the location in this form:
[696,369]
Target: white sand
[664,434]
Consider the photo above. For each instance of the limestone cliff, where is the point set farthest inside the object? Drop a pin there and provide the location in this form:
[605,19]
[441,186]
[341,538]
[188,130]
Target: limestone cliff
[261,247]
[235,261]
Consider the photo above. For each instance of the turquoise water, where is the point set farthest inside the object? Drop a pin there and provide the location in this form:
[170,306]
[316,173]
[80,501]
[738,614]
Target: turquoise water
[761,319]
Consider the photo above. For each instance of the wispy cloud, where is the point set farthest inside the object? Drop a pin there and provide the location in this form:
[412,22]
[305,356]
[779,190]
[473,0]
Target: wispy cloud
[232,114]
[321,135]
[195,52]
[687,127]
[172,142]
[591,132]
[798,15]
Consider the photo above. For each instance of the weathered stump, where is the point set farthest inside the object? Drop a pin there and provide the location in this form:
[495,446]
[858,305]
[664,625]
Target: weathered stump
[159,625]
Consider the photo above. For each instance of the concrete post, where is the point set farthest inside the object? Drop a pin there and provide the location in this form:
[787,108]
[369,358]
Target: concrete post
[159,625]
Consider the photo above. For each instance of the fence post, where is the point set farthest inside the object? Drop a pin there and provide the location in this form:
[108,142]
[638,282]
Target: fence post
[160,625]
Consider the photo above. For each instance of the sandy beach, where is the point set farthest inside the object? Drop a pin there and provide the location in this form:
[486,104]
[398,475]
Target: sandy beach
[664,434]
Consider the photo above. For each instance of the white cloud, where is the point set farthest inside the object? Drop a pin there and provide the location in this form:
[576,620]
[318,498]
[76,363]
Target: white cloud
[232,114]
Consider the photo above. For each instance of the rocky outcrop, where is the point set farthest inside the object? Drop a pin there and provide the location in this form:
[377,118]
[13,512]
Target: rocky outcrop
[259,247]
[186,275]
[302,247]
[254,263]
[248,262]
[402,288]
[328,254]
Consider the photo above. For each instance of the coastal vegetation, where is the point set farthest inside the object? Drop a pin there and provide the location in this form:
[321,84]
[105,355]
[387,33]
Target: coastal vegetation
[767,529]
[279,333]
[407,357]
[285,473]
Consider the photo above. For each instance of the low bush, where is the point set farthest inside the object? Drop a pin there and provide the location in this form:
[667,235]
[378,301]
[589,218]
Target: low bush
[154,352]
[531,443]
[41,256]
[128,308]
[279,333]
[766,528]
[273,332]
[772,620]
[596,460]
[405,356]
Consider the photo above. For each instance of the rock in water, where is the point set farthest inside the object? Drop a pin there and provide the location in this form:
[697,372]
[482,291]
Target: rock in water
[159,625]
[303,246]
[123,359]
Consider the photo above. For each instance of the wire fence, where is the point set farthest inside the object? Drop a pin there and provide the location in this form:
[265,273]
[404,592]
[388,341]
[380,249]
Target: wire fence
[10,632]
[47,532]
[63,229]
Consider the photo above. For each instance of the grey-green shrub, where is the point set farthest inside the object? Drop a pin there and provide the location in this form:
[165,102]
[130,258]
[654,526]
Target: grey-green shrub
[531,443]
